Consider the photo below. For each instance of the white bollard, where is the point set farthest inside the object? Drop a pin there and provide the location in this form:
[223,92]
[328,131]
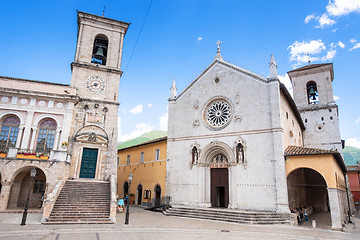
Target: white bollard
[313,223]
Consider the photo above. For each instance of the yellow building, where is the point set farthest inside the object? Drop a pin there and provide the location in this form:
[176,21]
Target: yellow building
[147,162]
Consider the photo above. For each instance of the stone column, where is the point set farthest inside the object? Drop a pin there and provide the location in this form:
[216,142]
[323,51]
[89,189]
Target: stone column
[56,139]
[27,130]
[334,209]
[5,194]
[19,137]
[33,137]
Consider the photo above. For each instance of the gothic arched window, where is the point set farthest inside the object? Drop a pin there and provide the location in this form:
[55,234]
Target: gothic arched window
[240,158]
[312,93]
[46,136]
[100,49]
[9,132]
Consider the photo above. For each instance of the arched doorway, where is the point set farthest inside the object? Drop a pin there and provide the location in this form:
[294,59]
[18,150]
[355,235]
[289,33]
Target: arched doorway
[125,189]
[23,185]
[308,189]
[139,194]
[157,196]
[219,180]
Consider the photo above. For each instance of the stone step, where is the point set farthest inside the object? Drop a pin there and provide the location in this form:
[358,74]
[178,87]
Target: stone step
[82,201]
[251,217]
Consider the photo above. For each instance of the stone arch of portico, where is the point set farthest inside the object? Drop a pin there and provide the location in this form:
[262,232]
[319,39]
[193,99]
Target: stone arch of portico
[12,175]
[319,171]
[19,184]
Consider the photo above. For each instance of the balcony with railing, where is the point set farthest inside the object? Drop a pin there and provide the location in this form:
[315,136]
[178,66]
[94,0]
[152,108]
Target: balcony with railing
[33,154]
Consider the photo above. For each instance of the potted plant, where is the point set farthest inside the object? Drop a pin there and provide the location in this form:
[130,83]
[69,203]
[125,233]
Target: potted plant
[64,145]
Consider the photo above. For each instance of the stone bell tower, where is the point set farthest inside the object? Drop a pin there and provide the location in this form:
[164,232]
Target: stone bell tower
[313,95]
[96,75]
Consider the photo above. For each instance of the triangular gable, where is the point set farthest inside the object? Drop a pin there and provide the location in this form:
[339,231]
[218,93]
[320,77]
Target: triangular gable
[226,64]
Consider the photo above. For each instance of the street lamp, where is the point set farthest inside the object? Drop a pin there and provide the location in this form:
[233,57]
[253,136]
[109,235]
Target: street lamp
[32,176]
[128,201]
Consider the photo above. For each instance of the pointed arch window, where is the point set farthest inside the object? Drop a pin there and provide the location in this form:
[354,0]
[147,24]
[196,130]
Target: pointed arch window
[100,49]
[9,132]
[312,93]
[46,136]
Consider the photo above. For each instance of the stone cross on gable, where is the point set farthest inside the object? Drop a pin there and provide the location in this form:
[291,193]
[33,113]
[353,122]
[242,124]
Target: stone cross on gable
[218,43]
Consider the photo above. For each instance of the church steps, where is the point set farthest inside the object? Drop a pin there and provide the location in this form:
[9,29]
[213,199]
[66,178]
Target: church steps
[83,201]
[230,215]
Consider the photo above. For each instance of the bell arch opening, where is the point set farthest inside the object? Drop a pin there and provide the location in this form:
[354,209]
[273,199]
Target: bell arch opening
[100,50]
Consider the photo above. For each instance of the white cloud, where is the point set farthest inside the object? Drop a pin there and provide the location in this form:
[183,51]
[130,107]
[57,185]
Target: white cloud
[334,10]
[330,55]
[141,128]
[309,17]
[357,45]
[342,7]
[336,98]
[341,44]
[324,20]
[199,39]
[357,120]
[164,122]
[149,105]
[136,110]
[354,142]
[300,51]
[286,81]
[353,40]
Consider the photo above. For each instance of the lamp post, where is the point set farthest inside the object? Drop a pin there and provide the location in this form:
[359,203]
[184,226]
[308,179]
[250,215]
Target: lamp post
[32,175]
[128,201]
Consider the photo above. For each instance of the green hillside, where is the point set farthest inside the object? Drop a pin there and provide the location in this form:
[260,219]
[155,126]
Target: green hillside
[143,138]
[351,155]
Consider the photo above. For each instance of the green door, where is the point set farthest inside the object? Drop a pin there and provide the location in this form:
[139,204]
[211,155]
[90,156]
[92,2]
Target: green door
[88,163]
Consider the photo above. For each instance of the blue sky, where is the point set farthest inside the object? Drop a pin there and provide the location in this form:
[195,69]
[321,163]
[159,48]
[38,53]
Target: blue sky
[38,40]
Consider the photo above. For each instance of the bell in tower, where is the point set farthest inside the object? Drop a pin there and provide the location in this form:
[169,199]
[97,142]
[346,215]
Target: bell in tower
[312,93]
[100,50]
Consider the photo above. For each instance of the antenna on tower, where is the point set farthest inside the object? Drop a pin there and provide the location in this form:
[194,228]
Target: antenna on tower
[104,11]
[308,55]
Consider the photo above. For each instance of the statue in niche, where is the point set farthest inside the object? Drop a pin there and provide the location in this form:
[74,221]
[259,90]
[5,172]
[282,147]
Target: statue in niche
[240,153]
[195,155]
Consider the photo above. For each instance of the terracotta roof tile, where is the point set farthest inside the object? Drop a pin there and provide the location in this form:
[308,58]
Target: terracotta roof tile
[300,151]
[295,150]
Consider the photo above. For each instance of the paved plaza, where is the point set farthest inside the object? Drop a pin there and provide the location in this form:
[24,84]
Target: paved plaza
[154,225]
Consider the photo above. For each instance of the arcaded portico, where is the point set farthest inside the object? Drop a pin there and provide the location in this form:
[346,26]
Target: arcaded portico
[316,178]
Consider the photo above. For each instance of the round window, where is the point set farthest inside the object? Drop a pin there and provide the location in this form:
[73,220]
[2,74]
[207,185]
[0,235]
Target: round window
[218,114]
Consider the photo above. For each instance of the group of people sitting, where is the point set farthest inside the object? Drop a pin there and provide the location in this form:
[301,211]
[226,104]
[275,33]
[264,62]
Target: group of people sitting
[302,214]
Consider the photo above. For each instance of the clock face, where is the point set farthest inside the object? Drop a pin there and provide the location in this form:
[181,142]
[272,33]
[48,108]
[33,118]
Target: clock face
[95,84]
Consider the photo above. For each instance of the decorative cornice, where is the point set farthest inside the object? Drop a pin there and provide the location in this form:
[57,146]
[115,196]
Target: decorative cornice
[96,67]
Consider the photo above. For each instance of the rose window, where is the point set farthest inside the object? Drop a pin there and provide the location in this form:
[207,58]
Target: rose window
[218,114]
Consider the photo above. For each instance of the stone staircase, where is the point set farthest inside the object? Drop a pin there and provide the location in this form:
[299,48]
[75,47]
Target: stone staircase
[82,201]
[229,215]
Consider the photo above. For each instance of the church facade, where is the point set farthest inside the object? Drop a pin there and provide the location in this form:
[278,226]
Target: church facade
[228,132]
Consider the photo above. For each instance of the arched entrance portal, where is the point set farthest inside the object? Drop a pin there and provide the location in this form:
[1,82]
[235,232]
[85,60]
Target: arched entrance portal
[307,188]
[139,192]
[23,185]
